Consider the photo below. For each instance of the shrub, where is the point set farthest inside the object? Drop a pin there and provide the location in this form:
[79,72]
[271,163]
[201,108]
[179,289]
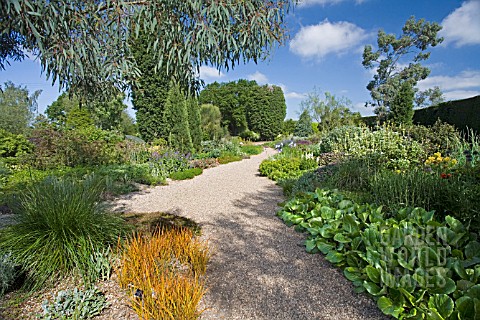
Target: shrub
[74,304]
[8,272]
[351,175]
[308,182]
[227,158]
[387,147]
[13,147]
[76,147]
[251,149]
[440,137]
[186,174]
[204,163]
[285,168]
[456,195]
[59,227]
[163,273]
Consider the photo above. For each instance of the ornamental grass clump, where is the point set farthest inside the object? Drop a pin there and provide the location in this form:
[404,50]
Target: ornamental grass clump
[60,227]
[164,274]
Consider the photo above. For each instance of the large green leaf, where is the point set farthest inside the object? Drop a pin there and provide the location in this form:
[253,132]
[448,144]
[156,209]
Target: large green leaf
[474,292]
[350,224]
[442,303]
[374,289]
[334,257]
[466,308]
[353,274]
[387,307]
[454,224]
[323,246]
[427,257]
[407,282]
[441,285]
[339,237]
[388,279]
[472,250]
[373,274]
[311,246]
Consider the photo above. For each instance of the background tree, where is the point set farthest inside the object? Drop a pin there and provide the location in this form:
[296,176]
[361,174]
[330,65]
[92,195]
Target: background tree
[289,127]
[429,97]
[17,107]
[194,122]
[106,115]
[398,60]
[186,35]
[211,122]
[303,128]
[329,112]
[401,108]
[266,111]
[245,106]
[175,119]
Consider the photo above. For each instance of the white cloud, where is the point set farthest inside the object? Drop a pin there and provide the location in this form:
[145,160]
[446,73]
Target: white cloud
[306,3]
[460,94]
[462,81]
[319,40]
[464,85]
[259,77]
[295,95]
[210,73]
[462,26]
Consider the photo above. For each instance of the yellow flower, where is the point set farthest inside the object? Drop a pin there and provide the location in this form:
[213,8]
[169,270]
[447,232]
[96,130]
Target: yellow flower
[431,159]
[439,159]
[398,171]
[454,161]
[447,159]
[437,154]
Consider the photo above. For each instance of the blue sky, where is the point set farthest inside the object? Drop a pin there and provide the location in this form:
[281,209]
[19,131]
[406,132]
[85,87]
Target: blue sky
[325,51]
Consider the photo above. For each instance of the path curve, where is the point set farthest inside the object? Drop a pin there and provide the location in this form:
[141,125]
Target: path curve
[259,269]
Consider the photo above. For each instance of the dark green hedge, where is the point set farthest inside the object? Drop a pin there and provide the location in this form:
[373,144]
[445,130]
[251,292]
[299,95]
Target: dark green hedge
[463,114]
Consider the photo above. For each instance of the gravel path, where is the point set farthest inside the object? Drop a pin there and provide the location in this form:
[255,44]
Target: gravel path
[259,269]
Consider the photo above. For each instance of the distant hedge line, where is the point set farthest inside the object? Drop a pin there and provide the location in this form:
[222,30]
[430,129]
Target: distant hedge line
[463,114]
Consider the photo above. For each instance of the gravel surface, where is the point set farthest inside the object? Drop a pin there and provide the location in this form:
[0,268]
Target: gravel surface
[259,269]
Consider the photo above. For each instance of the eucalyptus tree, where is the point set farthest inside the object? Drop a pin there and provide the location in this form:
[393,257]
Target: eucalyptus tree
[85,45]
[398,60]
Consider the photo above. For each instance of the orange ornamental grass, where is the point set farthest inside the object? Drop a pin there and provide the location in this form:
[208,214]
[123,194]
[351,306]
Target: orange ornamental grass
[164,274]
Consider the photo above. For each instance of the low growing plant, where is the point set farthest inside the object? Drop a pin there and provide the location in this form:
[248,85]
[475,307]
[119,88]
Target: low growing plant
[414,266]
[163,273]
[186,174]
[74,304]
[60,225]
[8,272]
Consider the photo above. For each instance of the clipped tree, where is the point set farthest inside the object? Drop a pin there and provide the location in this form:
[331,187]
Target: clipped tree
[398,59]
[185,35]
[401,108]
[211,122]
[17,107]
[175,119]
[303,128]
[194,122]
[149,96]
[266,111]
